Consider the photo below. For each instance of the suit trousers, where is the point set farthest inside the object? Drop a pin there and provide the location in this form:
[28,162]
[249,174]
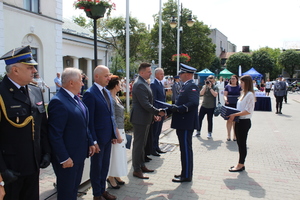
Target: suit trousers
[67,180]
[186,152]
[140,135]
[24,188]
[157,126]
[99,168]
[241,130]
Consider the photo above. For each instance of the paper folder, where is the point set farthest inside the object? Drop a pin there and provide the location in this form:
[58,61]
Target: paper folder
[163,105]
[226,111]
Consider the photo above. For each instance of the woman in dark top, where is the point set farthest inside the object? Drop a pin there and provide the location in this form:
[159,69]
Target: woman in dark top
[231,94]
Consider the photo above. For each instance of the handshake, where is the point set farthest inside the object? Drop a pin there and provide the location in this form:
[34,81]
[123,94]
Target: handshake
[173,108]
[162,112]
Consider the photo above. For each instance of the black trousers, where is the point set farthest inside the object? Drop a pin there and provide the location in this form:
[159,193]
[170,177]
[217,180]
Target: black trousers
[24,188]
[241,130]
[186,152]
[279,100]
[210,112]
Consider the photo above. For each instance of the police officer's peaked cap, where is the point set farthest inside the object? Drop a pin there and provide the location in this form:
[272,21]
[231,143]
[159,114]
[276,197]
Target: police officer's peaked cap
[19,55]
[186,69]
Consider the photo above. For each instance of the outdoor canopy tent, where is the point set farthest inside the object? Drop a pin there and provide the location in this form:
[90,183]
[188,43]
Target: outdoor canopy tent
[253,73]
[225,73]
[203,75]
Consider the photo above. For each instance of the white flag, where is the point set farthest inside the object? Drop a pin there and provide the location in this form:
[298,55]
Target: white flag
[240,70]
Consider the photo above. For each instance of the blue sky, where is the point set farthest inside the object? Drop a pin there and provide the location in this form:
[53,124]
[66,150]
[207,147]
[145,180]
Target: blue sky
[255,23]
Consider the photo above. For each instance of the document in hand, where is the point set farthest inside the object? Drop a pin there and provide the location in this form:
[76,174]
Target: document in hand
[226,111]
[163,105]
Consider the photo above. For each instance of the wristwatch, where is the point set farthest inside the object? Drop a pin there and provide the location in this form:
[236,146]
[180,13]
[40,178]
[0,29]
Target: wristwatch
[2,183]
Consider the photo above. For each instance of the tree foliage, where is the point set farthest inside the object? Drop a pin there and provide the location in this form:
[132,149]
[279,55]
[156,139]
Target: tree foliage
[290,60]
[215,66]
[262,61]
[243,59]
[194,40]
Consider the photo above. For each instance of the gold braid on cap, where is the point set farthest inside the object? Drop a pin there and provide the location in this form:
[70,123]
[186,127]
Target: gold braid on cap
[25,123]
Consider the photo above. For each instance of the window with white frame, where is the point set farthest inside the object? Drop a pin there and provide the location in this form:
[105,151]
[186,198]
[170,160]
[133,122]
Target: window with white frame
[32,5]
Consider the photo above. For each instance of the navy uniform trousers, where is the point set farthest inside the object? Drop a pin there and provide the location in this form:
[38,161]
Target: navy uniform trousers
[186,152]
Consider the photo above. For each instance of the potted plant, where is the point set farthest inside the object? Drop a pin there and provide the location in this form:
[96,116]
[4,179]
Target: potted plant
[183,57]
[95,8]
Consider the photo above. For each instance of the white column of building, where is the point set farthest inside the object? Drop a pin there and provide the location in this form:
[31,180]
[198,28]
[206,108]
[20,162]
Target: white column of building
[89,72]
[75,62]
[2,51]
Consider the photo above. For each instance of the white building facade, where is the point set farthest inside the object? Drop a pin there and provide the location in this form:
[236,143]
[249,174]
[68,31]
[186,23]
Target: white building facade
[39,23]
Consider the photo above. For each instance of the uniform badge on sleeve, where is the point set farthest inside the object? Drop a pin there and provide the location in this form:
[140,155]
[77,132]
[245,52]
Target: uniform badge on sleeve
[194,90]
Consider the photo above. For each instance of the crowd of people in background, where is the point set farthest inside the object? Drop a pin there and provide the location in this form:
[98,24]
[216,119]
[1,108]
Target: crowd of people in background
[89,122]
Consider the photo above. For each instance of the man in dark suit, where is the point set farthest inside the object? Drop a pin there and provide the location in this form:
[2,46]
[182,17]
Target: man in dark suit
[175,89]
[159,94]
[103,128]
[185,120]
[141,116]
[24,145]
[69,135]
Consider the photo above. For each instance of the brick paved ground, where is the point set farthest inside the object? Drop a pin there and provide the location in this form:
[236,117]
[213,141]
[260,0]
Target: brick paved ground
[272,164]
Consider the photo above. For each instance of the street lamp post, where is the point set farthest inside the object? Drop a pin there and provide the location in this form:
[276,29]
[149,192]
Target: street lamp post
[173,24]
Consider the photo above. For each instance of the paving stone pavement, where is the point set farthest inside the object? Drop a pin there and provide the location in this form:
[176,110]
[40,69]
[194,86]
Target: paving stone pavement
[272,164]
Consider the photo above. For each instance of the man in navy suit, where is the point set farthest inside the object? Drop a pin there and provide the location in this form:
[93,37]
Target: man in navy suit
[69,135]
[158,92]
[185,120]
[103,129]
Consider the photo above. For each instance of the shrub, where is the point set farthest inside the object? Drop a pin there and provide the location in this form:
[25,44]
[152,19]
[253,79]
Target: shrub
[127,124]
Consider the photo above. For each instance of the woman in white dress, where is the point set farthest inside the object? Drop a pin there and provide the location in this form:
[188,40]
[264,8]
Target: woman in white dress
[118,159]
[220,84]
[245,105]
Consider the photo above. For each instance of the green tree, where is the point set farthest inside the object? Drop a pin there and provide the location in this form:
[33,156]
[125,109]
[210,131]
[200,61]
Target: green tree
[194,40]
[262,61]
[243,59]
[215,65]
[274,53]
[81,21]
[290,60]
[114,31]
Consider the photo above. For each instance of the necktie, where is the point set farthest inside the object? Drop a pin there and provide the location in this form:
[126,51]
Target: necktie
[106,97]
[23,90]
[80,104]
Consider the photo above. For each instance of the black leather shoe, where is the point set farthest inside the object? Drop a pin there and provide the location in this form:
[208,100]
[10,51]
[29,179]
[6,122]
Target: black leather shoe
[155,154]
[147,159]
[114,187]
[177,176]
[160,151]
[180,180]
[236,170]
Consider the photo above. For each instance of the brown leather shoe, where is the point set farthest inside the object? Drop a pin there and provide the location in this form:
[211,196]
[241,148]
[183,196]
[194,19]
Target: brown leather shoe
[99,198]
[140,175]
[108,196]
[145,169]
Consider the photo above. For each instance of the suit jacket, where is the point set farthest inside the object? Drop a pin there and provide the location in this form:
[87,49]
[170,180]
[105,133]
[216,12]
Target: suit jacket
[175,90]
[68,128]
[142,103]
[21,149]
[187,102]
[158,92]
[102,121]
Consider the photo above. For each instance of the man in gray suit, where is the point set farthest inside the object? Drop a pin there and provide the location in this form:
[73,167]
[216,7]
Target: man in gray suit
[142,114]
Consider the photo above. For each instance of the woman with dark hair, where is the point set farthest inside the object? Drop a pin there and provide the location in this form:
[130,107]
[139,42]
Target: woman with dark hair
[245,105]
[118,159]
[231,94]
